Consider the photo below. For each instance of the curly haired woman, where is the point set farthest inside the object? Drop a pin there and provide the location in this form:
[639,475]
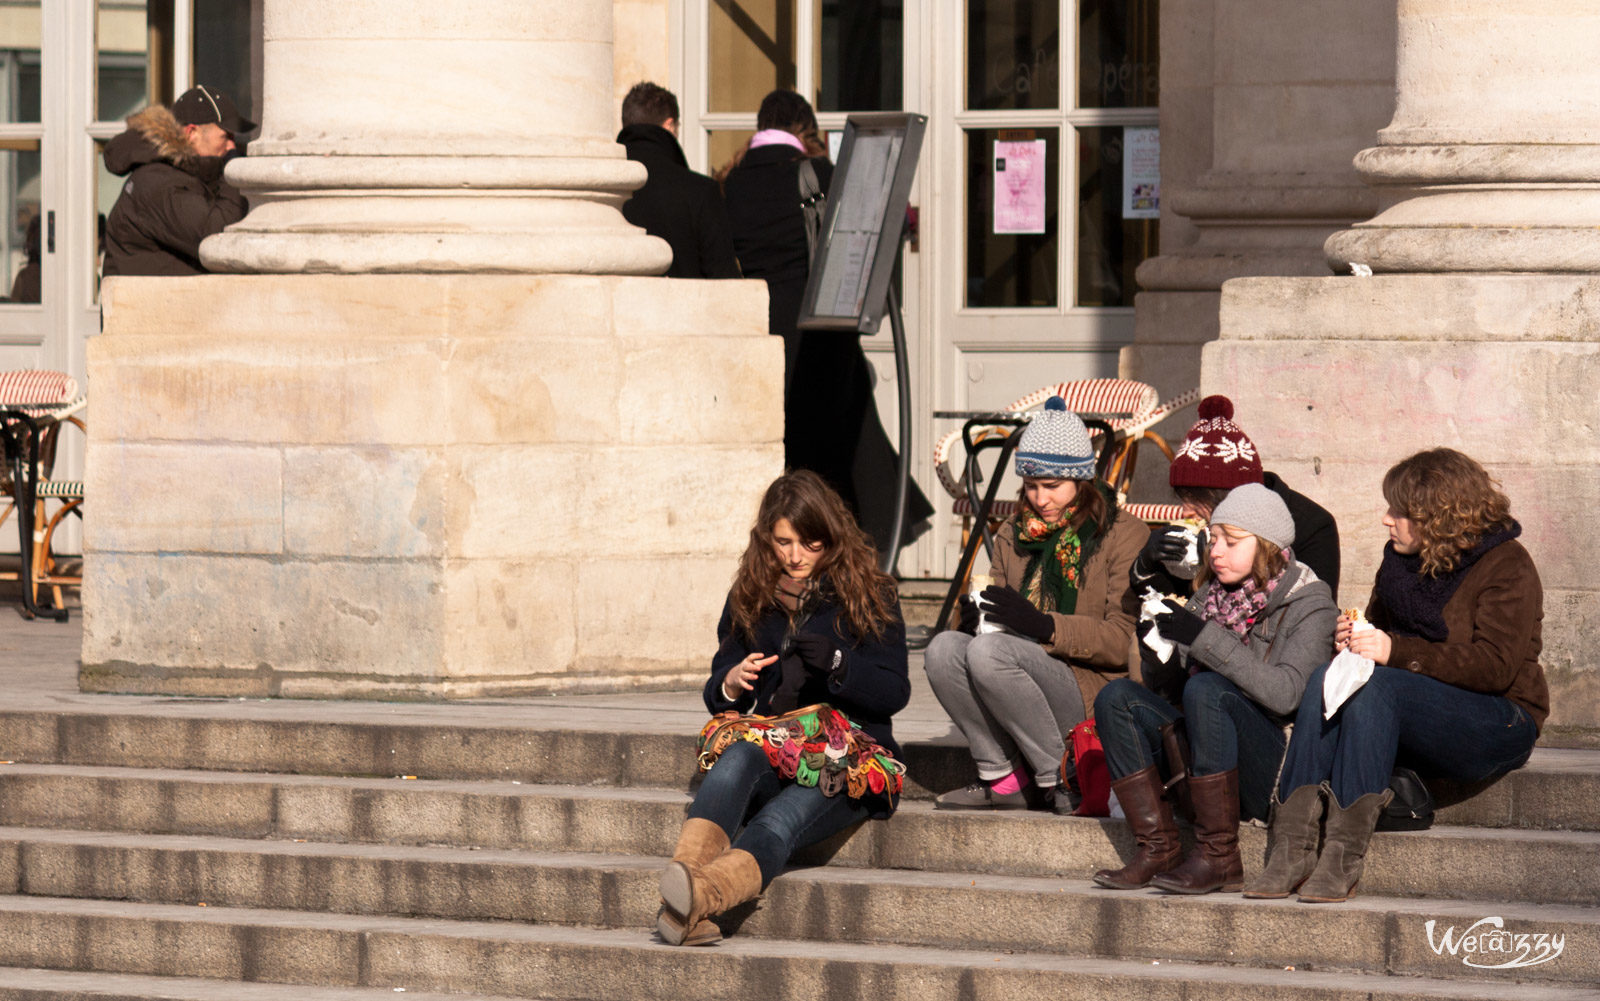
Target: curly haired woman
[1458,691]
[810,623]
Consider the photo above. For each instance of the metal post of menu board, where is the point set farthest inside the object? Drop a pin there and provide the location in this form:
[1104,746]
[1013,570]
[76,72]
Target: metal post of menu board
[852,271]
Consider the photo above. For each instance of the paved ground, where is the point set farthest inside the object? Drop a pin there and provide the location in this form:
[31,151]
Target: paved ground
[39,665]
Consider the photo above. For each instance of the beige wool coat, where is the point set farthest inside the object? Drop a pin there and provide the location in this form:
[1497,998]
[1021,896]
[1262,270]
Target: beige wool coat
[1096,640]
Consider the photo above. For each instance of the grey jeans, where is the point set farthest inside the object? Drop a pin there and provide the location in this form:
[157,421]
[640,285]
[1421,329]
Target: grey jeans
[1013,701]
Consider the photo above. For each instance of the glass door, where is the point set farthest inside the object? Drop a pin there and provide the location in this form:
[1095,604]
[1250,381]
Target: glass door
[30,287]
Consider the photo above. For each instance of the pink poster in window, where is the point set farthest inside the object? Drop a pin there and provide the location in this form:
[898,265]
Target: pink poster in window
[1019,175]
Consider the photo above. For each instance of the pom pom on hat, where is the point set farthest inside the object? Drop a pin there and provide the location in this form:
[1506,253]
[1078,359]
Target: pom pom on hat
[1216,453]
[1055,445]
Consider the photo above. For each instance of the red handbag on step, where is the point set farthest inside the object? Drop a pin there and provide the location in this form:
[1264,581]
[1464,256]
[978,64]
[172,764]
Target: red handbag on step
[1089,760]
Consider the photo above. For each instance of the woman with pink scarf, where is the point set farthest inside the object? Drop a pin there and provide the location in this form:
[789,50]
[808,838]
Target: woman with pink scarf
[1234,663]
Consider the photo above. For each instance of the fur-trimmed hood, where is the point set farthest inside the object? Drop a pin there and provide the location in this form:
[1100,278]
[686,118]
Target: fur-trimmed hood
[153,136]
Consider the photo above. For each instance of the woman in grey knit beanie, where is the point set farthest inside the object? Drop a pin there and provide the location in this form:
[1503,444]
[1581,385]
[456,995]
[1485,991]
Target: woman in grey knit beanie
[1240,653]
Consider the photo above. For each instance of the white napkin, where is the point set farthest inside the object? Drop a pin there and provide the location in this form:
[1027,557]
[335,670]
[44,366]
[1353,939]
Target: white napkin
[1153,606]
[1186,568]
[1348,672]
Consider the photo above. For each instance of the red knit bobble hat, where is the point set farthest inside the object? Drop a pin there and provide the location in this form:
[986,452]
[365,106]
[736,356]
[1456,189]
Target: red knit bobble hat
[1215,453]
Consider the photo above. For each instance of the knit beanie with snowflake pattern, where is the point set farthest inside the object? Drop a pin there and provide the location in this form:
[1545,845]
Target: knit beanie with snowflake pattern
[1216,453]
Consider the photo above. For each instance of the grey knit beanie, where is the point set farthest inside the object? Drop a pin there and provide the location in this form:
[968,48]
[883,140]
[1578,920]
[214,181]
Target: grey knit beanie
[1055,444]
[1257,510]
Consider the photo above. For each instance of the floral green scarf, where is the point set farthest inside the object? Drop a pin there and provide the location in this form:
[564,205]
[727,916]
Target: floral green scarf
[1056,557]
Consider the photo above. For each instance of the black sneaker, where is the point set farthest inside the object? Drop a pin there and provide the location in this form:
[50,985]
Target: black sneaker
[1061,800]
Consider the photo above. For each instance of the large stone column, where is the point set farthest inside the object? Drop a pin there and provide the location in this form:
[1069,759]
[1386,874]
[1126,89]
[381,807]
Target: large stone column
[417,136]
[476,472]
[1263,103]
[1480,330]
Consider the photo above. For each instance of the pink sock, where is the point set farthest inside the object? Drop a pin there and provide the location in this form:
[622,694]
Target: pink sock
[1011,783]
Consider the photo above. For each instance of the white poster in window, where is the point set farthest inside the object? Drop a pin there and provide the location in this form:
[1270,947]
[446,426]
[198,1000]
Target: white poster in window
[1141,173]
[1019,186]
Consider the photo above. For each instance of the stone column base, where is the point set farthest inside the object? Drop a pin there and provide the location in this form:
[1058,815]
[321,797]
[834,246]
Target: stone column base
[1339,378]
[420,487]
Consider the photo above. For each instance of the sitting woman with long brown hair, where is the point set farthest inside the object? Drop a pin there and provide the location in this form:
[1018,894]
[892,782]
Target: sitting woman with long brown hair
[1457,692]
[812,632]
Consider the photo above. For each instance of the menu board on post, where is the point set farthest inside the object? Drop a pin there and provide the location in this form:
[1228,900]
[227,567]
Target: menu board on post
[861,230]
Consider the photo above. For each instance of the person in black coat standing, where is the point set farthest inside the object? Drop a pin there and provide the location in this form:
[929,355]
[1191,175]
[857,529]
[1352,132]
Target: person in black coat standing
[680,206]
[811,628]
[831,423]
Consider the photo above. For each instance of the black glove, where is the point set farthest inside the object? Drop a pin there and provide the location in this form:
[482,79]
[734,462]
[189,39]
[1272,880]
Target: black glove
[968,611]
[1169,544]
[1006,607]
[817,652]
[1180,625]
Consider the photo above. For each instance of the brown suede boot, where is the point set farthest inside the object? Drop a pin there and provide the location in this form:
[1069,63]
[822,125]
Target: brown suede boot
[690,897]
[699,842]
[1150,816]
[1215,862]
[1292,835]
[1344,848]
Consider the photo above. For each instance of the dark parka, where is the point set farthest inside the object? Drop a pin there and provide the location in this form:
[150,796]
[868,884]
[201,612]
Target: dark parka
[680,206]
[869,686]
[172,199]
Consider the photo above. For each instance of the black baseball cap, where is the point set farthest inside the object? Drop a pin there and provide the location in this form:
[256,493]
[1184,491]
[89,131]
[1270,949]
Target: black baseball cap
[202,106]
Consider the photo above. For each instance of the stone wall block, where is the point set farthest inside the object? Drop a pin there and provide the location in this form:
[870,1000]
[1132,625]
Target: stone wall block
[534,390]
[185,496]
[1508,401]
[692,500]
[517,502]
[733,394]
[1308,40]
[689,309]
[354,307]
[377,618]
[647,615]
[521,306]
[1246,116]
[365,501]
[268,391]
[462,20]
[508,619]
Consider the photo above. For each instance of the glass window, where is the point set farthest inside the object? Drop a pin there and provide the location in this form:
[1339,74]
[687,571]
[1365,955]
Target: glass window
[21,236]
[1015,268]
[1118,63]
[122,59]
[723,145]
[1013,54]
[753,46]
[19,63]
[1116,228]
[859,55]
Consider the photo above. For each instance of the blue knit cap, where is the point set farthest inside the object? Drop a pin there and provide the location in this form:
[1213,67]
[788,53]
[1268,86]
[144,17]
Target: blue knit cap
[1055,445]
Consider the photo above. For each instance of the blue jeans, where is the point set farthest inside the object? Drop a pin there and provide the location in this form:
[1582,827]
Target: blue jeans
[784,816]
[1227,731]
[1397,716]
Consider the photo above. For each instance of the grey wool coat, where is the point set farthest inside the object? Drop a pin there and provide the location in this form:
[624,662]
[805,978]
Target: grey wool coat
[1289,641]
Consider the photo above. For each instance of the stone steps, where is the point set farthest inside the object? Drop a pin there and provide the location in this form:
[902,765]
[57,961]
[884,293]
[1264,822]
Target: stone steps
[925,909]
[1452,862]
[355,856]
[528,961]
[1557,790]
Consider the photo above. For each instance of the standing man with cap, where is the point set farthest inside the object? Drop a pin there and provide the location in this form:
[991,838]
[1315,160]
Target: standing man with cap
[175,195]
[680,206]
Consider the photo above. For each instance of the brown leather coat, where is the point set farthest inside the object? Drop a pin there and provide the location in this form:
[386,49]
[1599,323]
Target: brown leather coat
[1097,639]
[1495,622]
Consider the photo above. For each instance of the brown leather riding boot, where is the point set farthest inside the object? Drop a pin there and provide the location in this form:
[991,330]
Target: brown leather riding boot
[692,896]
[1344,848]
[1292,836]
[1214,864]
[699,842]
[1150,816]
